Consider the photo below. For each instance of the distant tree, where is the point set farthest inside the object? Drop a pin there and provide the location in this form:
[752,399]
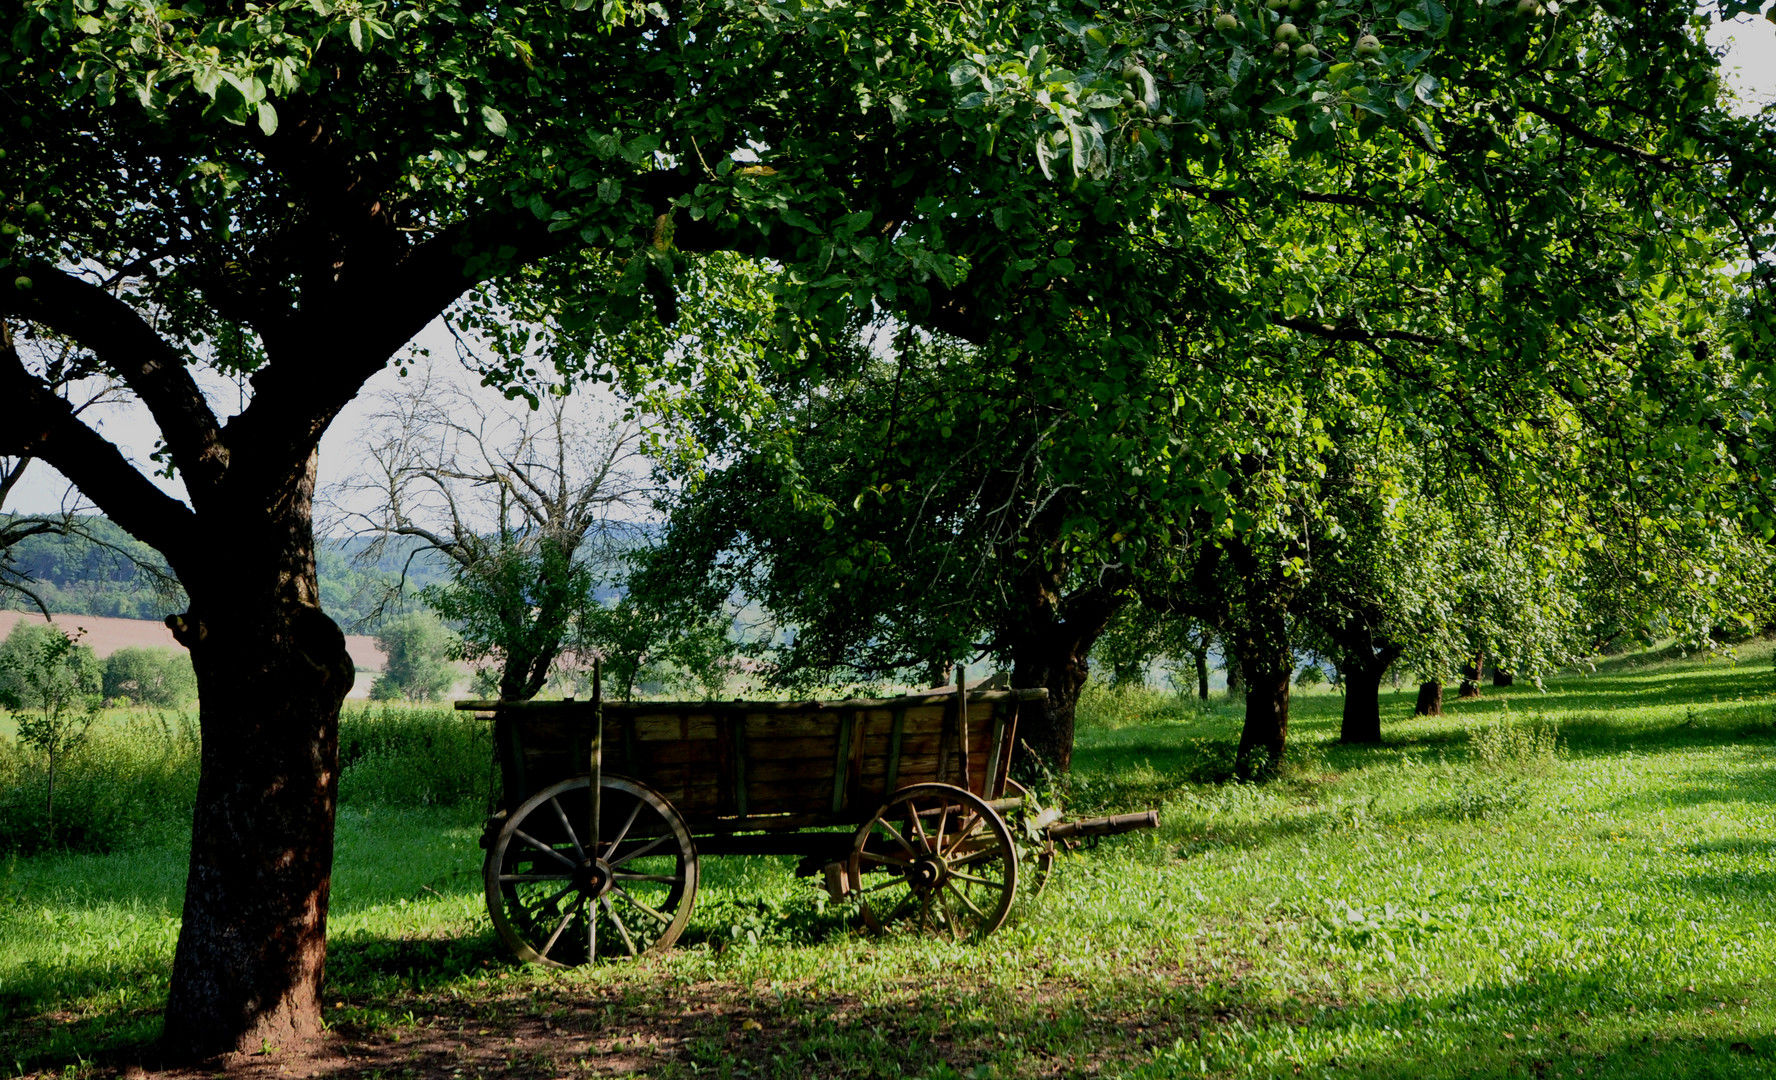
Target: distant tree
[419,648]
[530,509]
[150,676]
[51,682]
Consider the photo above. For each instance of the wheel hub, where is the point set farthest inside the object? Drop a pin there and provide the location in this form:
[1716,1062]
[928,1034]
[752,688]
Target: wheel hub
[927,872]
[593,876]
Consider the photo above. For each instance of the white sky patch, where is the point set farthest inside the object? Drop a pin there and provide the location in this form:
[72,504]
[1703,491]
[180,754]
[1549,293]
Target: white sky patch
[1749,67]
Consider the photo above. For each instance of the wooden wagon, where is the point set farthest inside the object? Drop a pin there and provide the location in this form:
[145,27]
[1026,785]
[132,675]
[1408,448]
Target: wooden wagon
[895,802]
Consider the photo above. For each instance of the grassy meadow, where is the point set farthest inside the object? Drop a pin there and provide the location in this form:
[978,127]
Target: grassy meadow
[1572,883]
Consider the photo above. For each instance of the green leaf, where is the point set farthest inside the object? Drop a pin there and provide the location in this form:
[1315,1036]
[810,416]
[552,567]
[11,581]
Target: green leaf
[268,118]
[496,122]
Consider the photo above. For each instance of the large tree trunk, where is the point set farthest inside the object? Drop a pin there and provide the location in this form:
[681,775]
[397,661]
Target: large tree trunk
[1362,705]
[1231,661]
[1430,700]
[1362,694]
[1266,730]
[1267,660]
[1202,674]
[272,671]
[1050,652]
[1470,684]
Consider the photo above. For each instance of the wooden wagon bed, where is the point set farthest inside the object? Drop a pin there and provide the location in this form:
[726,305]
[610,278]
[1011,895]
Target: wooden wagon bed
[606,808]
[744,766]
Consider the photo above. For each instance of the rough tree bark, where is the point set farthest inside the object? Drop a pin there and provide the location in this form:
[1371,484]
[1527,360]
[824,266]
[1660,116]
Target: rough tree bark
[1049,650]
[252,948]
[1266,730]
[1202,674]
[1430,700]
[1236,684]
[1362,694]
[1470,684]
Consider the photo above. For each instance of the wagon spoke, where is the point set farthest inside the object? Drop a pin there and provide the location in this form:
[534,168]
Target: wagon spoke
[536,877]
[983,855]
[957,931]
[886,860]
[610,909]
[943,821]
[918,826]
[640,851]
[966,902]
[663,879]
[899,839]
[625,894]
[544,848]
[591,934]
[880,885]
[571,835]
[624,831]
[988,882]
[559,927]
[962,834]
[550,902]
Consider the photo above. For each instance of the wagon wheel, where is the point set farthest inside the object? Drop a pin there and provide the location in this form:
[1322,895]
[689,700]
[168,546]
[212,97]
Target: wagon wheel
[557,900]
[939,856]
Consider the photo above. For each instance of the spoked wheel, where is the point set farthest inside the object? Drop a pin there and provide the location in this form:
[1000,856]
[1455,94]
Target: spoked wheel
[557,898]
[939,857]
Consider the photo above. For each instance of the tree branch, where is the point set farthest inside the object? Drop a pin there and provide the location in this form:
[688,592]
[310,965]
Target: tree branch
[44,426]
[1567,124]
[153,369]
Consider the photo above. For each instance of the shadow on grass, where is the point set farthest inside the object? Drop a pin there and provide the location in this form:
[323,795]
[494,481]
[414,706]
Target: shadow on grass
[1163,1023]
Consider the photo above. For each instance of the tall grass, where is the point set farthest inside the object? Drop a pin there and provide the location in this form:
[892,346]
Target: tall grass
[133,783]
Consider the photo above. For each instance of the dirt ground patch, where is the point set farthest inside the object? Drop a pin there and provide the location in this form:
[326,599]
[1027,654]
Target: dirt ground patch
[663,1027]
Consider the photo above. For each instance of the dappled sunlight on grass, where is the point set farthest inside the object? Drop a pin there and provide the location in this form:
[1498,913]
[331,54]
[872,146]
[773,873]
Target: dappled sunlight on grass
[1534,883]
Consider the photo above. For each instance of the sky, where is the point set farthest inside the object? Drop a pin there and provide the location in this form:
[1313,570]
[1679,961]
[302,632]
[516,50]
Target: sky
[1749,67]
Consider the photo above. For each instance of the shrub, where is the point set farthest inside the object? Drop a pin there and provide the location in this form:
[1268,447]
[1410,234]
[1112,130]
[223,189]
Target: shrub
[414,757]
[1515,748]
[132,781]
[1112,707]
[150,676]
[418,647]
[52,682]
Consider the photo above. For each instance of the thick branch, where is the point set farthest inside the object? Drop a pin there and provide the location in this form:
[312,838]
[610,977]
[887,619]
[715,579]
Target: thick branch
[154,370]
[44,426]
[1351,333]
[1567,124]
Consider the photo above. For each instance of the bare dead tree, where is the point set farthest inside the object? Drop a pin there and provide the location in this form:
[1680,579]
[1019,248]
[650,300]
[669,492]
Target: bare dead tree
[531,509]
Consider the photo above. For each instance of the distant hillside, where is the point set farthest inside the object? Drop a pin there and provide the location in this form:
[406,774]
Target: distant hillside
[103,576]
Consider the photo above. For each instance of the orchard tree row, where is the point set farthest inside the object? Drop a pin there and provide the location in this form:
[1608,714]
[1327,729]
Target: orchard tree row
[1149,280]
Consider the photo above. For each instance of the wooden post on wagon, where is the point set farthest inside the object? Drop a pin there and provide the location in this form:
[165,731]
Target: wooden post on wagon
[962,721]
[596,766]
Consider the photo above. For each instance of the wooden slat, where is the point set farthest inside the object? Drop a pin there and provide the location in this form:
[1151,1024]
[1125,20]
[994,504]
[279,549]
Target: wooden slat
[820,725]
[724,758]
[993,782]
[840,772]
[614,708]
[894,747]
[817,774]
[741,749]
[798,749]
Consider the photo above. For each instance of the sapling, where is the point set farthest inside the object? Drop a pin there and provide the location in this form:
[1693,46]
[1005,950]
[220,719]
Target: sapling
[50,682]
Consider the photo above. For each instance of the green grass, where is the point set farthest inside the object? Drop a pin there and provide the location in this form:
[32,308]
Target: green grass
[1531,885]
